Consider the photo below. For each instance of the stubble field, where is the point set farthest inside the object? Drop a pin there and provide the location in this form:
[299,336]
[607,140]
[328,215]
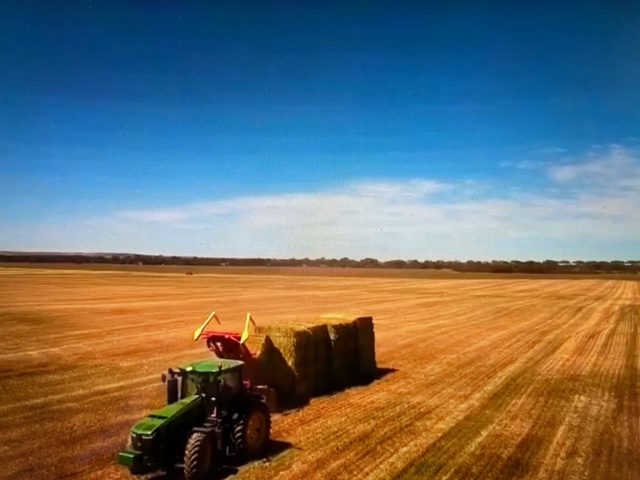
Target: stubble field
[484,378]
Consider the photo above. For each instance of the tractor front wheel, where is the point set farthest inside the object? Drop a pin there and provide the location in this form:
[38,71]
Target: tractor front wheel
[254,430]
[198,456]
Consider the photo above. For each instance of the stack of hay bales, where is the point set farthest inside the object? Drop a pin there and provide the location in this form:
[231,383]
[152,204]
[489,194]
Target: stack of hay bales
[304,359]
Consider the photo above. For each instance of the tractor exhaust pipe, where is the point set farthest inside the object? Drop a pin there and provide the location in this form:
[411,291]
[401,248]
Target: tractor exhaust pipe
[171,382]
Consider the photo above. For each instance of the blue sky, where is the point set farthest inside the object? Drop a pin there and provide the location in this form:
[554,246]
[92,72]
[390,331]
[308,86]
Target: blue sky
[428,130]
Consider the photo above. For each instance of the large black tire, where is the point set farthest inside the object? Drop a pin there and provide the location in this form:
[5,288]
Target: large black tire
[198,456]
[251,433]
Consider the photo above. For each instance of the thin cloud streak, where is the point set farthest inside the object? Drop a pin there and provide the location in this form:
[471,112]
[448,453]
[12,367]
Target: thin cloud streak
[324,204]
[615,169]
[588,205]
[592,199]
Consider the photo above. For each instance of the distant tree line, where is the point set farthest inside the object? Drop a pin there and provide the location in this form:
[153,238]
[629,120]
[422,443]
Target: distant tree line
[495,266]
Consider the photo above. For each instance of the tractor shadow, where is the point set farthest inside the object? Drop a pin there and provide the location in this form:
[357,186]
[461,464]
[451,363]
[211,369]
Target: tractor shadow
[273,449]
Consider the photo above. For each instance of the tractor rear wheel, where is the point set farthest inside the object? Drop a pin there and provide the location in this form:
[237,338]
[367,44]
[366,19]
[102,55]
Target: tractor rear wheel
[198,456]
[253,430]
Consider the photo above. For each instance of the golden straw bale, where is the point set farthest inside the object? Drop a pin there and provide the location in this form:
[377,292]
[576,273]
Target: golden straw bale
[344,352]
[322,363]
[275,370]
[296,345]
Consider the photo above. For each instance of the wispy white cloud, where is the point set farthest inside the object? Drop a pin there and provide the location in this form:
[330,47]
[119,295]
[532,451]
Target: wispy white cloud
[588,209]
[415,188]
[549,151]
[165,215]
[524,164]
[415,218]
[612,169]
[320,205]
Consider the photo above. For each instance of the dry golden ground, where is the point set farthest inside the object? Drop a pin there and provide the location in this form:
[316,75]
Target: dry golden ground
[495,378]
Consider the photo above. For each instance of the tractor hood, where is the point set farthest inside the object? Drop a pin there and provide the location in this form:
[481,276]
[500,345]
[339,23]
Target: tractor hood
[211,365]
[159,418]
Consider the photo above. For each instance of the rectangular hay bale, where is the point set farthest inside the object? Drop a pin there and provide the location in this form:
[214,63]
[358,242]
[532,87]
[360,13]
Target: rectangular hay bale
[296,346]
[343,336]
[274,369]
[367,367]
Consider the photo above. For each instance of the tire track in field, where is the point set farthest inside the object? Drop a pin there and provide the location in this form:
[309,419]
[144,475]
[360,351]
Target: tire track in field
[565,399]
[101,390]
[580,385]
[538,412]
[584,445]
[562,388]
[445,452]
[446,334]
[88,436]
[441,457]
[566,451]
[618,438]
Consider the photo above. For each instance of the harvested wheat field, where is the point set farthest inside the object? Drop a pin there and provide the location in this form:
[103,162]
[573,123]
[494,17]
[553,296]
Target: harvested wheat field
[480,378]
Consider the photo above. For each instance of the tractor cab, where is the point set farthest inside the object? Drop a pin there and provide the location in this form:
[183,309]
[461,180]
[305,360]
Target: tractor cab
[217,380]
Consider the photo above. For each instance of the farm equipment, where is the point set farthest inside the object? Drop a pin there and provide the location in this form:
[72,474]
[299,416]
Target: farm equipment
[232,346]
[212,415]
[229,345]
[300,359]
[219,408]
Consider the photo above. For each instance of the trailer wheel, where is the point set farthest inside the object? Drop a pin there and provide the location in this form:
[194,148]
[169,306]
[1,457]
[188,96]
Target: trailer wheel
[253,430]
[198,456]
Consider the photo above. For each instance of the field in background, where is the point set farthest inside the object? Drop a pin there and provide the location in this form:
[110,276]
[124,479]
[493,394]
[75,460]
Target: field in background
[314,271]
[489,378]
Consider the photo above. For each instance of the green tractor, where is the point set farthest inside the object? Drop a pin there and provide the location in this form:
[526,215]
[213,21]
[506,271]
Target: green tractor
[211,417]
